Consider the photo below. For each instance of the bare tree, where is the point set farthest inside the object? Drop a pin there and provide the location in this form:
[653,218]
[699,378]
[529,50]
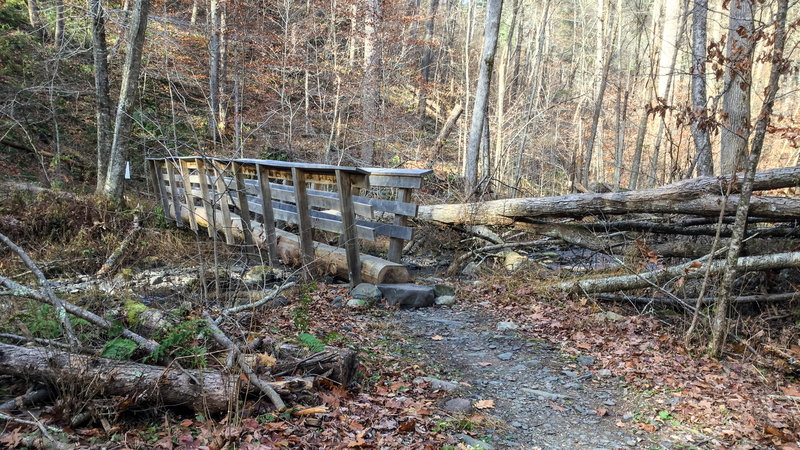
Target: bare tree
[127,94]
[700,122]
[102,98]
[370,86]
[425,63]
[494,9]
[738,78]
[719,324]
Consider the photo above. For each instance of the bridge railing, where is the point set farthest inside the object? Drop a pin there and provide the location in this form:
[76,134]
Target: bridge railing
[244,198]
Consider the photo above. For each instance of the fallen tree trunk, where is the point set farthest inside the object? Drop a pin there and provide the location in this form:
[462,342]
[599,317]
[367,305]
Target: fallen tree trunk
[332,259]
[690,270]
[141,383]
[508,211]
[661,301]
[698,196]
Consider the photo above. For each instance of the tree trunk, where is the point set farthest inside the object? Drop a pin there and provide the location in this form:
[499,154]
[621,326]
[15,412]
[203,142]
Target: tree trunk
[128,89]
[598,106]
[534,96]
[101,88]
[700,122]
[719,324]
[447,128]
[494,9]
[59,24]
[35,19]
[370,85]
[214,45]
[690,270]
[426,61]
[699,196]
[738,78]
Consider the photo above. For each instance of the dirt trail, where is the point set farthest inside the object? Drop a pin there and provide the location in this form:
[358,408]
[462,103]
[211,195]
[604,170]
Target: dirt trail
[541,398]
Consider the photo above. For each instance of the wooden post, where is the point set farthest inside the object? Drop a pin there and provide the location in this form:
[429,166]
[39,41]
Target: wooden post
[396,244]
[304,218]
[244,207]
[202,177]
[158,186]
[222,191]
[187,193]
[173,190]
[348,237]
[267,214]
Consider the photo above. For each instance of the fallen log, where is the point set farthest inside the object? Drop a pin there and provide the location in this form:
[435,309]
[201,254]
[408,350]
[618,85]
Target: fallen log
[139,383]
[332,259]
[661,301]
[698,196]
[690,270]
[144,384]
[508,211]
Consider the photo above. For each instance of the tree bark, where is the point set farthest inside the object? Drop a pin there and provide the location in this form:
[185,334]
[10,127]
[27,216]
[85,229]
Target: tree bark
[447,128]
[494,9]
[700,122]
[370,85]
[719,323]
[127,95]
[690,270]
[214,46]
[699,196]
[738,78]
[144,384]
[425,63]
[101,89]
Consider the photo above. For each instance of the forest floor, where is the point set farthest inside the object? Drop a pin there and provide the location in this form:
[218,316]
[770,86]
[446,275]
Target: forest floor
[505,366]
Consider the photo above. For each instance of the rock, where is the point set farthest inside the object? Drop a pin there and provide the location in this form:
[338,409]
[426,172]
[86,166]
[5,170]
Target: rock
[458,405]
[440,290]
[627,417]
[356,303]
[366,291]
[603,373]
[260,274]
[586,360]
[474,443]
[470,269]
[609,315]
[157,279]
[437,384]
[506,326]
[407,295]
[337,301]
[513,260]
[445,300]
[505,356]
[516,424]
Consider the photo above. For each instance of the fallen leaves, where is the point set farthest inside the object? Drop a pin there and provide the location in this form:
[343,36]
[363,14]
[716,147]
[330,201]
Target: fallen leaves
[437,338]
[484,404]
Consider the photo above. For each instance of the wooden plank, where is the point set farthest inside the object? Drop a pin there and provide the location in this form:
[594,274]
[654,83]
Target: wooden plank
[202,180]
[158,185]
[268,218]
[396,244]
[348,236]
[187,193]
[390,206]
[173,189]
[402,182]
[222,201]
[304,218]
[244,207]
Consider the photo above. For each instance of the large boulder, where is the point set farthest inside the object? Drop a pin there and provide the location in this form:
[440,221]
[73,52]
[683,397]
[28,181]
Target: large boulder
[407,295]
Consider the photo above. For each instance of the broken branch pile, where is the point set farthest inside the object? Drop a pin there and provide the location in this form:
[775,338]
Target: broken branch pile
[658,223]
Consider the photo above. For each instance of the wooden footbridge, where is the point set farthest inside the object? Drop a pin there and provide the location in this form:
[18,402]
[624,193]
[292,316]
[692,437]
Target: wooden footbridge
[244,199]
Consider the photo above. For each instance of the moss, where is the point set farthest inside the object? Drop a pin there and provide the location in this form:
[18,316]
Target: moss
[133,310]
